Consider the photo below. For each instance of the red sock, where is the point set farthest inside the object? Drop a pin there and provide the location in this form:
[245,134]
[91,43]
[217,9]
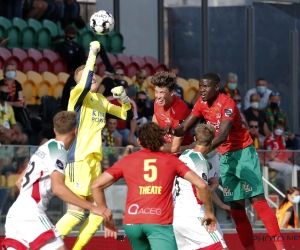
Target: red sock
[269,219]
[243,227]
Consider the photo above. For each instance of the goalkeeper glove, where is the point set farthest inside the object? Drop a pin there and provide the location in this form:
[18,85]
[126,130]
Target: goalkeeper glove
[120,94]
[95,47]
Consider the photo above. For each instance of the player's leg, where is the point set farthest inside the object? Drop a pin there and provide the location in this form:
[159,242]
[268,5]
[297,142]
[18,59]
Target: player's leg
[77,175]
[137,237]
[160,236]
[232,187]
[92,223]
[259,202]
[196,236]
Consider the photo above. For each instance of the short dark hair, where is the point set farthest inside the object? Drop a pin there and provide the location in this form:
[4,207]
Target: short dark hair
[70,30]
[151,136]
[164,79]
[8,64]
[278,123]
[260,79]
[213,77]
[140,93]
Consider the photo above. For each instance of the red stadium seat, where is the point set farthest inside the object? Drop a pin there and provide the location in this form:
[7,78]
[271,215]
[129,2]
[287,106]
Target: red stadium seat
[124,59]
[58,66]
[149,69]
[4,55]
[35,54]
[157,67]
[21,54]
[138,59]
[131,69]
[28,64]
[101,69]
[161,67]
[51,55]
[113,60]
[15,60]
[43,65]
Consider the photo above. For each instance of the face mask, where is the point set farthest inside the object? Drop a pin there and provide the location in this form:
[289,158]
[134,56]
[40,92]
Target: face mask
[4,96]
[141,104]
[10,74]
[278,131]
[296,199]
[232,86]
[239,106]
[273,105]
[70,38]
[254,105]
[261,89]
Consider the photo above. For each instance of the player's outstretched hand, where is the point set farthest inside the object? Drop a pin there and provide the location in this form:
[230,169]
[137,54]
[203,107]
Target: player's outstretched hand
[110,229]
[210,222]
[120,94]
[102,211]
[95,47]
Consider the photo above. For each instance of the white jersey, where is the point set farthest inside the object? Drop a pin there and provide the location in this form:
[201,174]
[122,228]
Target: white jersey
[184,193]
[36,191]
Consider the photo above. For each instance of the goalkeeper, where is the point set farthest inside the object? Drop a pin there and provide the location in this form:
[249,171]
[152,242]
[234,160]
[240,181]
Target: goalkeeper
[85,153]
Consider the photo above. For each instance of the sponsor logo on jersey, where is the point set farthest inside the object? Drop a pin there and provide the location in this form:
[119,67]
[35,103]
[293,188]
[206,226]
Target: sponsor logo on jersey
[77,184]
[219,104]
[40,153]
[135,209]
[247,188]
[227,191]
[98,116]
[228,112]
[204,176]
[218,115]
[59,164]
[168,120]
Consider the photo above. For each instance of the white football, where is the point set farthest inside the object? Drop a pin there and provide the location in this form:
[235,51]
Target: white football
[102,22]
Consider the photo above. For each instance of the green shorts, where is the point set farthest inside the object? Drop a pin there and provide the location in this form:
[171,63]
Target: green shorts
[151,236]
[241,174]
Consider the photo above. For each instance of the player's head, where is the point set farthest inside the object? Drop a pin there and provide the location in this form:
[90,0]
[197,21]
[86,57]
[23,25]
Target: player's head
[164,83]
[65,126]
[78,75]
[111,124]
[209,86]
[151,136]
[204,134]
[70,33]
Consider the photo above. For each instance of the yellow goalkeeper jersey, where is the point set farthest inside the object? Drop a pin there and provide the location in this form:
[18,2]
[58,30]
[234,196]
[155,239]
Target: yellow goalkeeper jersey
[91,109]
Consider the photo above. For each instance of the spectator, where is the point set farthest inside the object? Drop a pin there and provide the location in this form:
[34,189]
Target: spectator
[16,98]
[253,113]
[10,133]
[144,113]
[238,101]
[258,141]
[110,136]
[279,157]
[178,90]
[73,53]
[286,212]
[230,87]
[262,90]
[138,85]
[275,113]
[34,9]
[126,130]
[55,10]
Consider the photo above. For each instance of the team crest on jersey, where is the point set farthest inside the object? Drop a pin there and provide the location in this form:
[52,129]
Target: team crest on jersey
[247,188]
[59,164]
[228,112]
[227,191]
[204,176]
[218,115]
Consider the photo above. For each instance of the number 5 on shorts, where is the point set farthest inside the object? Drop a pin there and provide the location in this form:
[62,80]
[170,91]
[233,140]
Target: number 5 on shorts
[150,177]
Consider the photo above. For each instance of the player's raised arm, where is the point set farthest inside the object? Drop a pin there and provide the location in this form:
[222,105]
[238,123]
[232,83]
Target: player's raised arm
[83,77]
[124,112]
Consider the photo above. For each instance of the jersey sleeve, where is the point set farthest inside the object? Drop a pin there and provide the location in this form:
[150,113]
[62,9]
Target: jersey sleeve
[181,168]
[118,111]
[229,110]
[116,170]
[197,109]
[80,91]
[58,157]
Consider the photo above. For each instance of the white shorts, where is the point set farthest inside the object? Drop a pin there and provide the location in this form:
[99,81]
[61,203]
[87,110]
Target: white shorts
[36,233]
[191,235]
[215,162]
